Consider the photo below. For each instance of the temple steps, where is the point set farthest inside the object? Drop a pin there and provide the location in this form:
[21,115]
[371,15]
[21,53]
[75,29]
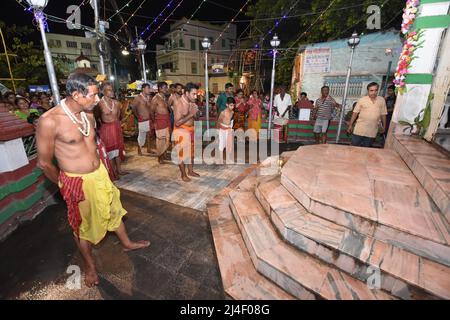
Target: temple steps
[403,274]
[300,274]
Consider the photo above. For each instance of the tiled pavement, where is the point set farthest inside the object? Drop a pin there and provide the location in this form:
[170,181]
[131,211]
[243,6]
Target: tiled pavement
[179,264]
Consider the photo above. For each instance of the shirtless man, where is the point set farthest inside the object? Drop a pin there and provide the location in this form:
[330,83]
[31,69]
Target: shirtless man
[108,114]
[174,96]
[67,133]
[185,112]
[225,122]
[141,110]
[159,113]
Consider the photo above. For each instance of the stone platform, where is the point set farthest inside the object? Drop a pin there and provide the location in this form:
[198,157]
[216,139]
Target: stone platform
[336,222]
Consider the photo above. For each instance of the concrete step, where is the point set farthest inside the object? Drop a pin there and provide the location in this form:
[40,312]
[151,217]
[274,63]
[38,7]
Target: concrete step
[240,279]
[300,274]
[372,192]
[431,167]
[403,274]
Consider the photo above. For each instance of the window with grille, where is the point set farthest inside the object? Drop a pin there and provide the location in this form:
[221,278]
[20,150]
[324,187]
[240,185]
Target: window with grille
[85,45]
[194,68]
[71,44]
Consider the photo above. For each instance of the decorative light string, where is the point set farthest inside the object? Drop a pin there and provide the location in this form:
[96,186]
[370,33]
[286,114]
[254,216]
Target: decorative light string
[229,23]
[129,18]
[119,10]
[179,3]
[277,23]
[309,28]
[196,10]
[147,28]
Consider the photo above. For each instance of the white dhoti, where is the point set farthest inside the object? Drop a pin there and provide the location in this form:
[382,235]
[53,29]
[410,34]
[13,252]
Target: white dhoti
[144,129]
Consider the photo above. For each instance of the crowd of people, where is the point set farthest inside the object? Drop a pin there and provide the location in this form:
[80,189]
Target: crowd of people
[151,115]
[84,134]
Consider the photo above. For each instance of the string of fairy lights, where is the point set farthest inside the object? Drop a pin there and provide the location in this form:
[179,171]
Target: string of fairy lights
[147,28]
[229,24]
[159,27]
[277,23]
[118,11]
[130,17]
[159,17]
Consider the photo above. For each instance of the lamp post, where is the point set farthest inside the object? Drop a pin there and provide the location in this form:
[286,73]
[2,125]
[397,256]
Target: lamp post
[101,45]
[206,44]
[38,6]
[275,42]
[353,41]
[142,46]
[125,51]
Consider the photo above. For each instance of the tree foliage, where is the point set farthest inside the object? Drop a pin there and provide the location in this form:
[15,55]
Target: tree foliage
[28,61]
[339,21]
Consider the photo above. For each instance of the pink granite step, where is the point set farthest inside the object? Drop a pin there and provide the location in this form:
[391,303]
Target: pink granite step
[300,274]
[403,273]
[430,165]
[370,191]
[240,279]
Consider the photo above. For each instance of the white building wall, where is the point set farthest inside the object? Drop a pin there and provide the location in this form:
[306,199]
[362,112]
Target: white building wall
[370,63]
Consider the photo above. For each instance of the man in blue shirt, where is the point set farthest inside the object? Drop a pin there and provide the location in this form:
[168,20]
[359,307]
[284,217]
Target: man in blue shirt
[222,99]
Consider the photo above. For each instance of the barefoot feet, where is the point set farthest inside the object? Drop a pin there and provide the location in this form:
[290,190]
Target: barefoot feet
[136,245]
[193,174]
[91,277]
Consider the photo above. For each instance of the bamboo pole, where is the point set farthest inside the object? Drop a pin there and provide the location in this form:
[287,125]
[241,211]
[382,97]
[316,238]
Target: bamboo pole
[7,60]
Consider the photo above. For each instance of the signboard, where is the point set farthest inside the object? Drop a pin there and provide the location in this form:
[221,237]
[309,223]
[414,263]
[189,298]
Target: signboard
[217,68]
[41,88]
[317,60]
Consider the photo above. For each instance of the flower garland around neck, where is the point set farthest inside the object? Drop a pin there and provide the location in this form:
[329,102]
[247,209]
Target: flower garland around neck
[410,45]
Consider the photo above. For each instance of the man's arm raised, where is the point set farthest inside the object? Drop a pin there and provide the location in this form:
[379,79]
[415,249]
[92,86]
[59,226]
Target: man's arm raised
[45,141]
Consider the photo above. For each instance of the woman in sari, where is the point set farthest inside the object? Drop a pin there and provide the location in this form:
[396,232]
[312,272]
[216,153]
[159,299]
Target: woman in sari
[23,110]
[240,111]
[255,112]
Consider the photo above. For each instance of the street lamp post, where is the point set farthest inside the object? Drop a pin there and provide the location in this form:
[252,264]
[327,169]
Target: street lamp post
[142,46]
[206,44]
[38,7]
[275,42]
[352,42]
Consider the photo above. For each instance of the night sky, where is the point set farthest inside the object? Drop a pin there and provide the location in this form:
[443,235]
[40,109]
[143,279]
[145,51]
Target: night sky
[217,10]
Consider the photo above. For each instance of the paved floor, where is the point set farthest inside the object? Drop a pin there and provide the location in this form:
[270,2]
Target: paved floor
[149,178]
[179,264]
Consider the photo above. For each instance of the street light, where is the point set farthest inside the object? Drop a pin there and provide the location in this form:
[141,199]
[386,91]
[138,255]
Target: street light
[142,46]
[125,52]
[38,6]
[206,44]
[275,43]
[353,41]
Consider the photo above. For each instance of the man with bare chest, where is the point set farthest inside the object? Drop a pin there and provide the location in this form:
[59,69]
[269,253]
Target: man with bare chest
[67,133]
[108,115]
[174,96]
[141,110]
[160,115]
[185,112]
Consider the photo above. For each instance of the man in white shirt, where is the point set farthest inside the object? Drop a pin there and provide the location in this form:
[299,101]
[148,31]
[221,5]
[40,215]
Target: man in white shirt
[283,103]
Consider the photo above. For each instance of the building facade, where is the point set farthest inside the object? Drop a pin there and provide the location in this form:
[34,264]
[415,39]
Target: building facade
[66,49]
[181,58]
[326,63]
